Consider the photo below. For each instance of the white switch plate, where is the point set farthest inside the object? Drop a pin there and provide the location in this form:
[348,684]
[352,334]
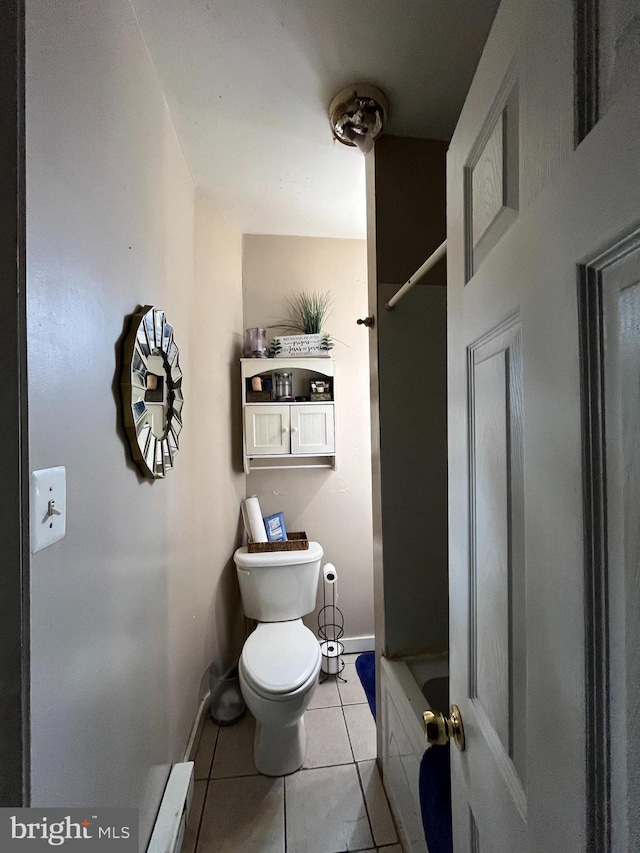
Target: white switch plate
[48,521]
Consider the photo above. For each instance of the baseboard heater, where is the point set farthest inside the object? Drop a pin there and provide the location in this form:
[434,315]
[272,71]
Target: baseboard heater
[169,827]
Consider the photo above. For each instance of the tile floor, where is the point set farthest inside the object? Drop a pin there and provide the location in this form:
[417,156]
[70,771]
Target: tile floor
[334,803]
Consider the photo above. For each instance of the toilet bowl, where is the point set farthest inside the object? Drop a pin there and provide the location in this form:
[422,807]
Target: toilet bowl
[279,669]
[280,660]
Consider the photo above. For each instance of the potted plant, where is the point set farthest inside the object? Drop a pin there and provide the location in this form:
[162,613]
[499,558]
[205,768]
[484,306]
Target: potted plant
[307,313]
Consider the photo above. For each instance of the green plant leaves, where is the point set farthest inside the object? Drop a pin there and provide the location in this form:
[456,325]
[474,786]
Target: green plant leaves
[307,312]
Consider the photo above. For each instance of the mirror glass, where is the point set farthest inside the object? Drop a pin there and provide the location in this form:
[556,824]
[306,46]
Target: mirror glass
[152,387]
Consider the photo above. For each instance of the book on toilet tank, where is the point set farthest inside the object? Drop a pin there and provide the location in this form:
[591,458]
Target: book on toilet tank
[274,525]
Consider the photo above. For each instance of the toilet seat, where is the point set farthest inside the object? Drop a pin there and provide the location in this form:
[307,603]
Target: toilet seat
[280,658]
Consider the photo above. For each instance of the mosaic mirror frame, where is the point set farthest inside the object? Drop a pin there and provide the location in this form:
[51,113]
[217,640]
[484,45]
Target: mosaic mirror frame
[152,392]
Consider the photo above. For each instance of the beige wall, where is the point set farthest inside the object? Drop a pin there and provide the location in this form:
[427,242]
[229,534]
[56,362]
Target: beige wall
[128,610]
[333,507]
[216,480]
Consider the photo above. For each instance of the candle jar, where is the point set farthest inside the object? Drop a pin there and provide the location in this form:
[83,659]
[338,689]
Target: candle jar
[255,343]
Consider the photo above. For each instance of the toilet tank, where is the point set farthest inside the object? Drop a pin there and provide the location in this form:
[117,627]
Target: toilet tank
[278,585]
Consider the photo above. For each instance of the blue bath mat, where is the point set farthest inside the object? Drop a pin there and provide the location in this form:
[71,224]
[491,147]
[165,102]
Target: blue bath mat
[435,799]
[366,669]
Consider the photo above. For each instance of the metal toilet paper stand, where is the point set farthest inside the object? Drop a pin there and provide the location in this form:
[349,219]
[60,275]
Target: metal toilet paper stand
[330,628]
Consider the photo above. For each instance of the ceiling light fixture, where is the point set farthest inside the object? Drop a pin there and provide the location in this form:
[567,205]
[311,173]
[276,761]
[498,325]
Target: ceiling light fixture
[357,115]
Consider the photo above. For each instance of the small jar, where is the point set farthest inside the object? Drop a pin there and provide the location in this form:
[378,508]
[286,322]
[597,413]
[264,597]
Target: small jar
[283,385]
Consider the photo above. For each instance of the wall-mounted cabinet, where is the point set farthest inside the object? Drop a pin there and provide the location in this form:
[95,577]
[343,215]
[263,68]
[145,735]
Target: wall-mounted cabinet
[292,430]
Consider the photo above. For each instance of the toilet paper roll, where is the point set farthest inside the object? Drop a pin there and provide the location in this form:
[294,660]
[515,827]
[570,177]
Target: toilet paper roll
[330,576]
[252,515]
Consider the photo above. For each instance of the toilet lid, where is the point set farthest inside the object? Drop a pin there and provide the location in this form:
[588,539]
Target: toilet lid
[278,657]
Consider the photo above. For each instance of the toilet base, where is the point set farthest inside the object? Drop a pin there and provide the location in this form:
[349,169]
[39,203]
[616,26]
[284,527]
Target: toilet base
[279,750]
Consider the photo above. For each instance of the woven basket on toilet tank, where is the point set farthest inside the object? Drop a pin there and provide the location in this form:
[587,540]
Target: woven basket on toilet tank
[296,541]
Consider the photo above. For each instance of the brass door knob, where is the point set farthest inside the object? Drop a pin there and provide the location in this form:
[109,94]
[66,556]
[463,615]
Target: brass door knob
[440,729]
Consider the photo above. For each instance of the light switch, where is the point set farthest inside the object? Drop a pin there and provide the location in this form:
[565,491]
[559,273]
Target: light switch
[47,507]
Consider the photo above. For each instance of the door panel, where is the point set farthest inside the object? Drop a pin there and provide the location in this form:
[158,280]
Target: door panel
[622,431]
[497,630]
[267,429]
[608,57]
[552,759]
[312,429]
[490,534]
[492,170]
[618,47]
[611,323]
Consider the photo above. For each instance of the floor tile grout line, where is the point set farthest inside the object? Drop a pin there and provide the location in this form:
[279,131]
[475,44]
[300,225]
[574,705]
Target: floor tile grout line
[237,776]
[390,810]
[364,799]
[366,805]
[346,725]
[301,770]
[386,799]
[204,803]
[213,753]
[206,793]
[338,688]
[324,766]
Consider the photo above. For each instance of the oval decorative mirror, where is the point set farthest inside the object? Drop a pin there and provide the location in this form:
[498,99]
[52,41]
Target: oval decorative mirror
[152,392]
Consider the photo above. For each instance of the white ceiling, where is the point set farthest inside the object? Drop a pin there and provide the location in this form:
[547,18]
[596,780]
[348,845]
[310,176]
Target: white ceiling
[248,83]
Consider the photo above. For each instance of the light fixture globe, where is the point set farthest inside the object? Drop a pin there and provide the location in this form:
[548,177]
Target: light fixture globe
[357,115]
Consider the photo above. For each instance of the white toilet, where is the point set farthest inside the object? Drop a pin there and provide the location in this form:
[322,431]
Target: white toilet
[280,660]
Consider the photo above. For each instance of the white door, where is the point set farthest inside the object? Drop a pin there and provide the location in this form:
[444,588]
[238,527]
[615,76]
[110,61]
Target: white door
[313,429]
[544,425]
[266,429]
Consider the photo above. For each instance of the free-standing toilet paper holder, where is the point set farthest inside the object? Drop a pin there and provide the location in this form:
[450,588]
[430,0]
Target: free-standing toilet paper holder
[330,627]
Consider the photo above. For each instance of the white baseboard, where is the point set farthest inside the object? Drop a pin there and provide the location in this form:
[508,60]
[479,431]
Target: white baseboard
[196,728]
[353,645]
[169,828]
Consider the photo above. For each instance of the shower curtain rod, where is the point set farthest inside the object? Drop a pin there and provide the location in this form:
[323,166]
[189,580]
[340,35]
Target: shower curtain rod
[418,274]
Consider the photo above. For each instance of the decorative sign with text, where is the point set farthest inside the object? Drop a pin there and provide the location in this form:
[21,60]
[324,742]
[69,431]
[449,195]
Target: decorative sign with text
[302,346]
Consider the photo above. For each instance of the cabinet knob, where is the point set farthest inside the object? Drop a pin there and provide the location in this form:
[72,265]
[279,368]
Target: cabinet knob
[294,429]
[285,429]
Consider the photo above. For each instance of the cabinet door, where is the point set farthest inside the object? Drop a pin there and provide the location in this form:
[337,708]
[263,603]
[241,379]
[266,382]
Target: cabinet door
[266,429]
[312,429]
